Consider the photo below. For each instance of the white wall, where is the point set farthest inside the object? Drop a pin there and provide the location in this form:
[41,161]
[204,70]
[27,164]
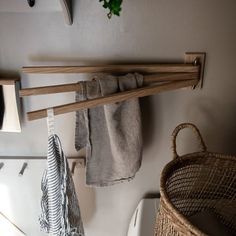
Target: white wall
[150,30]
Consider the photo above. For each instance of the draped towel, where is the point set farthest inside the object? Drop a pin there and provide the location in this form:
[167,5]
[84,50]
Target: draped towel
[111,133]
[60,209]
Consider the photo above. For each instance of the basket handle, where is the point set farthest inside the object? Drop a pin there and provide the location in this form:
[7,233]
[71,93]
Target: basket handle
[195,130]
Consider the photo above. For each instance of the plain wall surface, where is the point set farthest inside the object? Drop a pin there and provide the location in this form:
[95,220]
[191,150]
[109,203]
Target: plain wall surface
[147,31]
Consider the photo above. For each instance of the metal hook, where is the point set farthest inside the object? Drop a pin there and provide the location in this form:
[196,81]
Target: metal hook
[31,2]
[73,167]
[23,169]
[1,165]
[195,63]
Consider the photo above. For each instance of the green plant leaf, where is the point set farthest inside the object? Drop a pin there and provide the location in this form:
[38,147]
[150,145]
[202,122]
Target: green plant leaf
[114,6]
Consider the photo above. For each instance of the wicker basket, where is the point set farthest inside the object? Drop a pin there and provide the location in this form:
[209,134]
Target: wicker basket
[193,183]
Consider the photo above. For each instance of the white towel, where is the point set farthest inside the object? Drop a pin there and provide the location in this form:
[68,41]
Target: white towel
[111,133]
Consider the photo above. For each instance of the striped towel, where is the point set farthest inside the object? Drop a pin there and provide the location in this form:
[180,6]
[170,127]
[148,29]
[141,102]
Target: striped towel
[60,209]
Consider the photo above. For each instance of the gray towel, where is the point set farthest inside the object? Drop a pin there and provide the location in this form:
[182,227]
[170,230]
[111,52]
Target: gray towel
[111,133]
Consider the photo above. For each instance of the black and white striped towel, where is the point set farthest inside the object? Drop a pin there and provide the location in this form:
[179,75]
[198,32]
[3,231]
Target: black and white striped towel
[60,209]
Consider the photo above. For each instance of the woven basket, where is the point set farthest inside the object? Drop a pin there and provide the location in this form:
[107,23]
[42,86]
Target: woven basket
[194,183]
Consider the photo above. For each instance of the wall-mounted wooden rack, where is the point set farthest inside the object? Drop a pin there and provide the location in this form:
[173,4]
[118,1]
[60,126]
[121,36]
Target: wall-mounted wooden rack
[79,161]
[157,78]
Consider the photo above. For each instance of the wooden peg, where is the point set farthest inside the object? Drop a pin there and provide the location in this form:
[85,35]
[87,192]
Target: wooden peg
[73,167]
[1,165]
[23,169]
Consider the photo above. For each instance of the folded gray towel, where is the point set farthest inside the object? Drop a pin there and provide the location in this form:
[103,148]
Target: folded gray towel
[111,133]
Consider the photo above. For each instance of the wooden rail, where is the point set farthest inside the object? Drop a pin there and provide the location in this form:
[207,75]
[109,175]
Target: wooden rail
[117,97]
[142,68]
[75,87]
[157,78]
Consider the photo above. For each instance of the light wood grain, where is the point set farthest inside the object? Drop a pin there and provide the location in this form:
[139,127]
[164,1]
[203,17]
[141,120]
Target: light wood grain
[63,88]
[190,57]
[142,68]
[10,81]
[118,97]
[168,77]
[73,87]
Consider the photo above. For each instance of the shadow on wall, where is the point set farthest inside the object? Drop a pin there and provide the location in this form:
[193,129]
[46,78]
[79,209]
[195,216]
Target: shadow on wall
[58,59]
[153,118]
[9,74]
[148,121]
[216,123]
[152,195]
[86,196]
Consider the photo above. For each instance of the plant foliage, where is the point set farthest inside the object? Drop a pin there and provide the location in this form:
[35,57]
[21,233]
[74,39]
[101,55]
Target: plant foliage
[114,7]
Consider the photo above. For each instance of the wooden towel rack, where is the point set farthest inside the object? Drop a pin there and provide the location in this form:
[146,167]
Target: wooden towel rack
[157,78]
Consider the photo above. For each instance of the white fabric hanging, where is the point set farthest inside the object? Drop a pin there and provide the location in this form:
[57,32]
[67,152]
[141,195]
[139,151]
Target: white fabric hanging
[60,209]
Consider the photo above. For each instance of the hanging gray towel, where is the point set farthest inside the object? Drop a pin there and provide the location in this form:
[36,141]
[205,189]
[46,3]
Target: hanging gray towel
[60,209]
[111,133]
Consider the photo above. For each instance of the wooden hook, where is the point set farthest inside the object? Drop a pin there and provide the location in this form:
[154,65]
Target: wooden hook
[23,169]
[73,167]
[1,165]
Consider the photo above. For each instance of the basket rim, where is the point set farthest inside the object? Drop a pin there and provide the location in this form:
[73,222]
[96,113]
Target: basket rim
[164,196]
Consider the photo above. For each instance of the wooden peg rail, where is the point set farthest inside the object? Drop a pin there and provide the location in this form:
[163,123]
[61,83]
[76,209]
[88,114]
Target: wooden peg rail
[141,68]
[157,78]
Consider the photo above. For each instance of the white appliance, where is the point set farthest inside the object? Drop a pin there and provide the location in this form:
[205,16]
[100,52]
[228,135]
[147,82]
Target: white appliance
[143,220]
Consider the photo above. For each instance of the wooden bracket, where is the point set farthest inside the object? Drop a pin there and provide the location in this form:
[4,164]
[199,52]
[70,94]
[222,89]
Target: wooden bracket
[199,58]
[9,81]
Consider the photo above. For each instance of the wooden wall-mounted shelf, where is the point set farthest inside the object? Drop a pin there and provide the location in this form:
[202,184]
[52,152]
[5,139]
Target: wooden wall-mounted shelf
[157,78]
